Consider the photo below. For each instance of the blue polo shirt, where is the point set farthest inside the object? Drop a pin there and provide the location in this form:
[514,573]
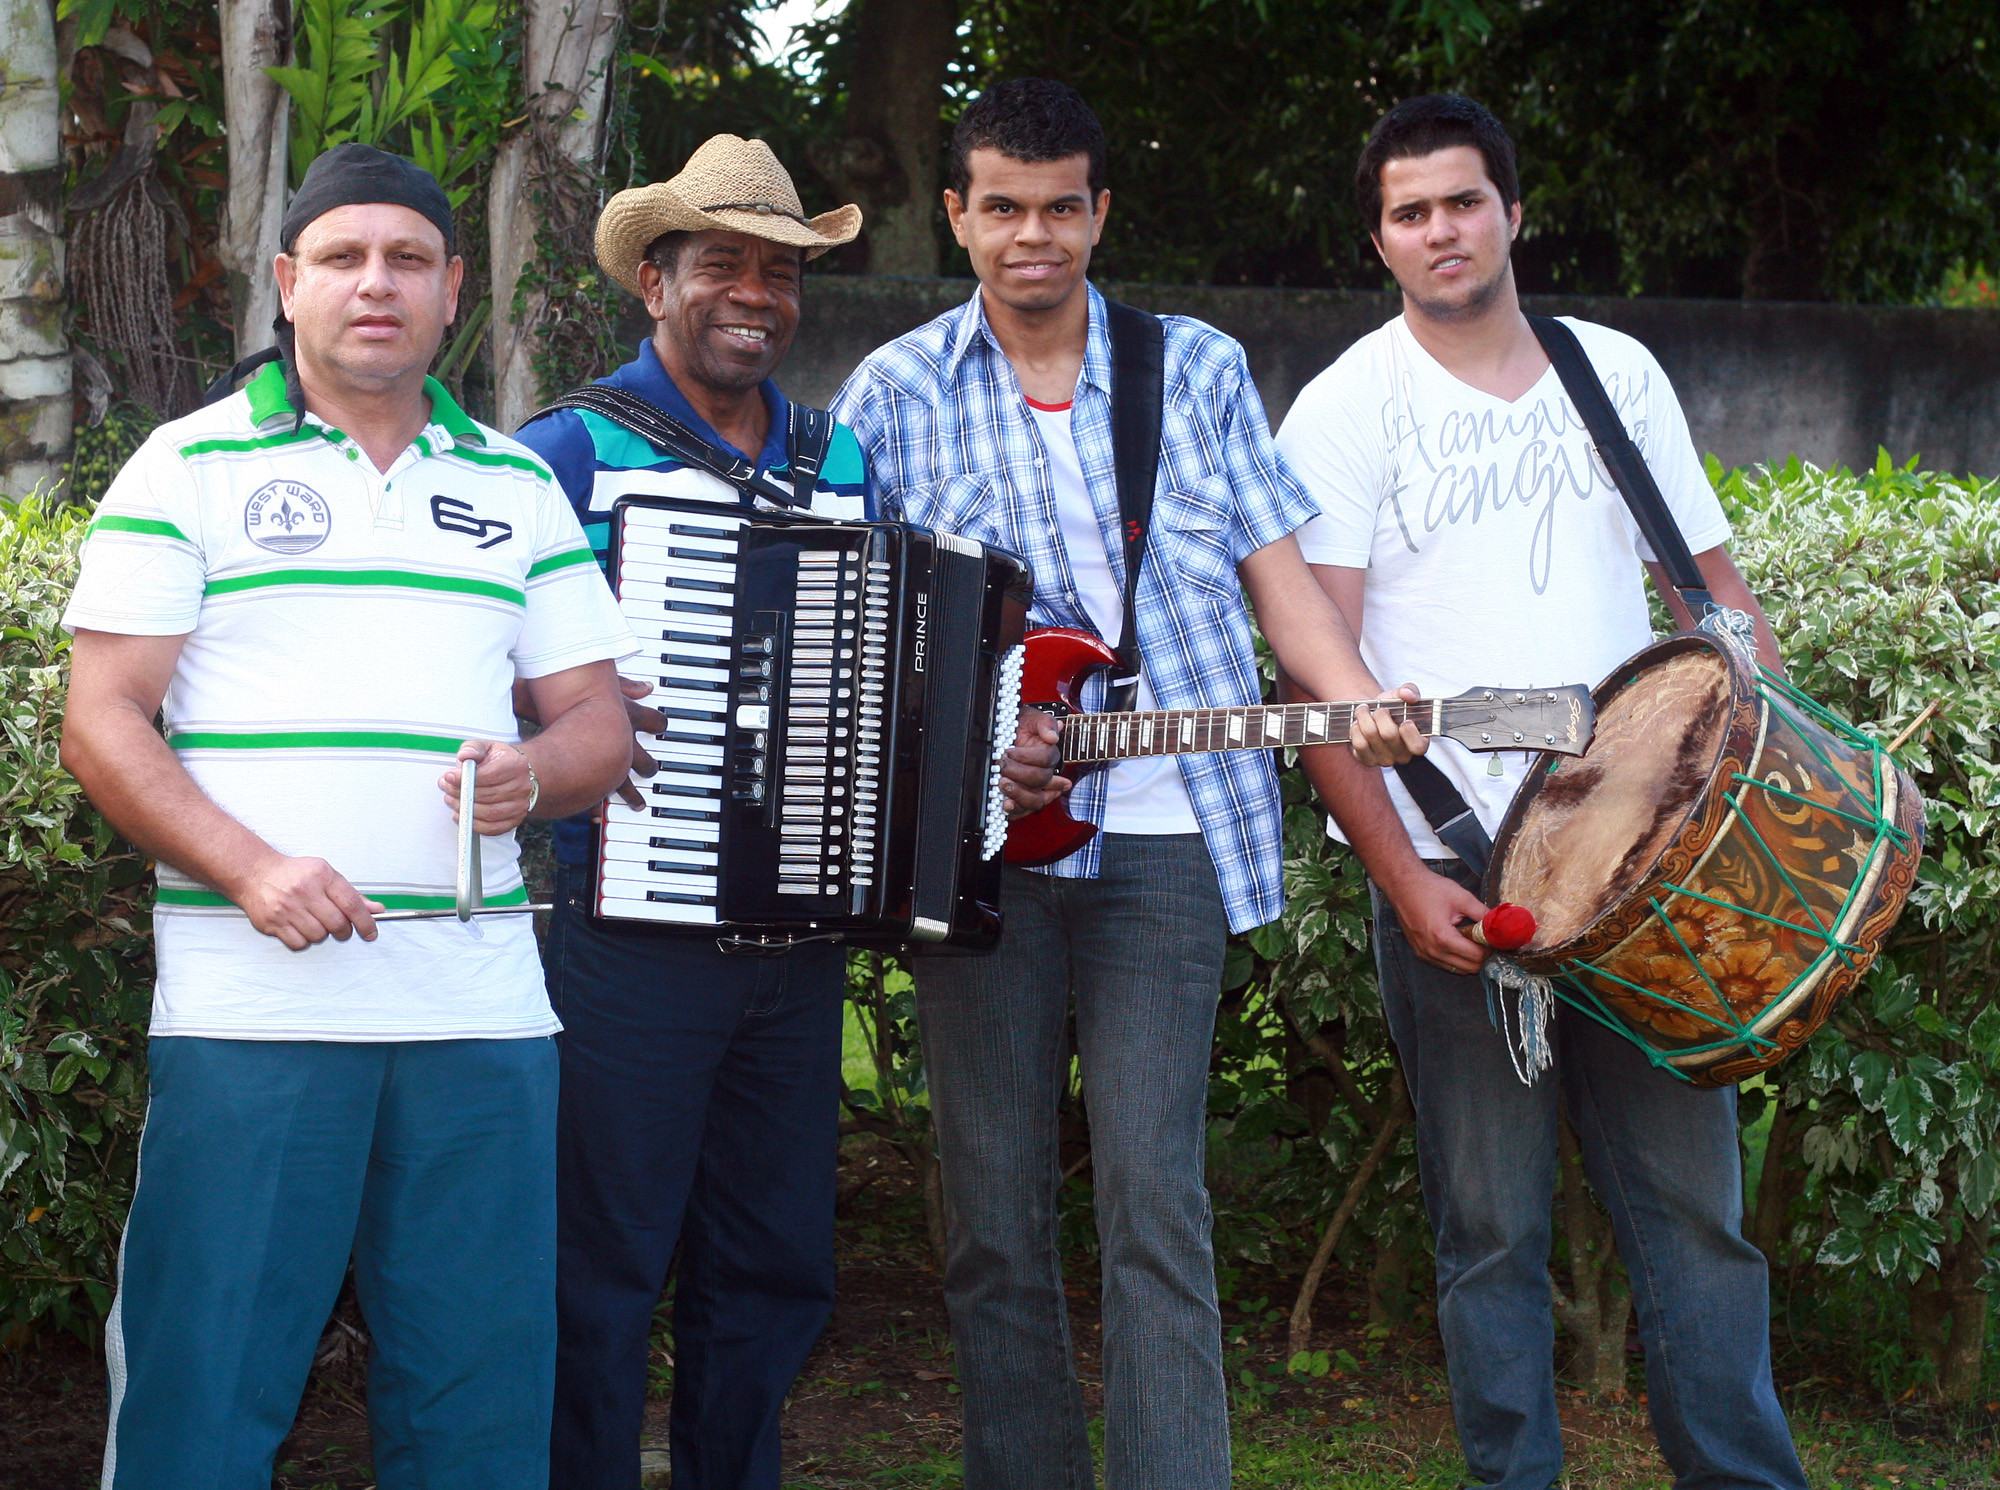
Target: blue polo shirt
[588,452]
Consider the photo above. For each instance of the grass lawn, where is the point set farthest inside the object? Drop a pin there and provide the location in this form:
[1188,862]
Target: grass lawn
[1388,1445]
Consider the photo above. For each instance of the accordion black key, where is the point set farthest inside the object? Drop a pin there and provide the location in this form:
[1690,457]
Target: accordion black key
[838,697]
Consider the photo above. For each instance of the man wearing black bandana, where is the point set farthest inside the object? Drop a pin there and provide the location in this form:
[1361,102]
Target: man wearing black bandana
[327,584]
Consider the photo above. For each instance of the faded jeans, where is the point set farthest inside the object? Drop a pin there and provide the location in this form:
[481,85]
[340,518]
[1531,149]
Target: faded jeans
[1141,949]
[1661,1154]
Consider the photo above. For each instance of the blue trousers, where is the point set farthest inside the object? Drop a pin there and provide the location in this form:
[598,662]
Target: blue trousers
[700,1109]
[1140,948]
[1663,1157]
[264,1164]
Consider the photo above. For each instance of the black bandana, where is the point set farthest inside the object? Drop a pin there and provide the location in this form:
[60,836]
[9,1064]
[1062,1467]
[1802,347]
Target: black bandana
[349,174]
[343,177]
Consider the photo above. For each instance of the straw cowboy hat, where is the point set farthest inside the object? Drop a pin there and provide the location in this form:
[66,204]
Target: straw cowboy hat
[730,184]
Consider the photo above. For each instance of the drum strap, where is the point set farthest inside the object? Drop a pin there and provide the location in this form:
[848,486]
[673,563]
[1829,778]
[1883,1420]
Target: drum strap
[1455,823]
[1629,472]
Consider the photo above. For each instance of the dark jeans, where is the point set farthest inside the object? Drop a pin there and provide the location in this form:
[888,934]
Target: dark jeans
[1141,950]
[700,1108]
[1662,1155]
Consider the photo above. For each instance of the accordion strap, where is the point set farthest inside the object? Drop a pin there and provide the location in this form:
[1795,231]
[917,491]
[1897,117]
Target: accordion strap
[808,436]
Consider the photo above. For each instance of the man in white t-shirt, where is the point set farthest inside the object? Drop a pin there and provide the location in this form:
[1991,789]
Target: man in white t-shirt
[1470,536]
[325,586]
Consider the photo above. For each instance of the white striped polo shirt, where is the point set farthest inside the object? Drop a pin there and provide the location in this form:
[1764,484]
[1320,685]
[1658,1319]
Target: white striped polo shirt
[346,629]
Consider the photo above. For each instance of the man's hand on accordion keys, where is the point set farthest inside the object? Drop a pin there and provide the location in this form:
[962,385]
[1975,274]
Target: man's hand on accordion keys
[644,721]
[1028,779]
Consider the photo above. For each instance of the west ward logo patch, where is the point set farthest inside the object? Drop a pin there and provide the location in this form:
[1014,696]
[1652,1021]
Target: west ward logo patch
[287,517]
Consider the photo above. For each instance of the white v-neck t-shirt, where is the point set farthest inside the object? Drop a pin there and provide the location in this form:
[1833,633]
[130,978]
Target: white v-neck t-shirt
[1147,795]
[1498,551]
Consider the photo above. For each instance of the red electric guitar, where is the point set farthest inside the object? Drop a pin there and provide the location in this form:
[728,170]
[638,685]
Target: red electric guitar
[1060,658]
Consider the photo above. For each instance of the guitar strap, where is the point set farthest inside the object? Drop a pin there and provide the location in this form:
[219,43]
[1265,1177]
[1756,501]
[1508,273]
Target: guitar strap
[808,435]
[1443,807]
[1138,395]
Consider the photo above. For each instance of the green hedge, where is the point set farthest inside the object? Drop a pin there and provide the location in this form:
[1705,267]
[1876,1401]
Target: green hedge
[1873,1154]
[75,964]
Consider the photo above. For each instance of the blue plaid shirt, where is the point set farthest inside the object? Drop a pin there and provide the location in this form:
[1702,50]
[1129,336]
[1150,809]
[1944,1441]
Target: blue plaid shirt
[952,445]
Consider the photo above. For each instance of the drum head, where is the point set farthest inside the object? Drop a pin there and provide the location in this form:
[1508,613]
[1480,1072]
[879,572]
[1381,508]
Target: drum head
[1596,825]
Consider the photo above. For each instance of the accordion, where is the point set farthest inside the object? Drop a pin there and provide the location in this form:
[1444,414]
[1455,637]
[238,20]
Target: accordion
[838,697]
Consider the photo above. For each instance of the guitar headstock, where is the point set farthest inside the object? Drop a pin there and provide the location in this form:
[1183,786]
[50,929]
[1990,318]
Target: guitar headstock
[1558,719]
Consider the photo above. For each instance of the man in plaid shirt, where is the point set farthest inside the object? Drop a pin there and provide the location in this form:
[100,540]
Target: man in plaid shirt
[994,421]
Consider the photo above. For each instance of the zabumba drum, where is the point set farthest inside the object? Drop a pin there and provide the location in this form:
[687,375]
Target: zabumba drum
[1718,869]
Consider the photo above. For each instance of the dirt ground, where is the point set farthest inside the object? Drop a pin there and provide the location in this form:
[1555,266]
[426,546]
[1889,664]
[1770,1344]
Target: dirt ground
[877,1403]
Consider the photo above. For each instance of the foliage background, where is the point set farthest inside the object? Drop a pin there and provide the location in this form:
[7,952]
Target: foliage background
[1872,1167]
[1832,151]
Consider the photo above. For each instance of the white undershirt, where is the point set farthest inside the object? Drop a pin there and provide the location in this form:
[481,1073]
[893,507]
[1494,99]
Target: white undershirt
[1146,795]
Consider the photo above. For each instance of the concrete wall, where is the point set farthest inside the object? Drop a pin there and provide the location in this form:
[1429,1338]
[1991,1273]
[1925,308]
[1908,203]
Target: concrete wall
[1759,381]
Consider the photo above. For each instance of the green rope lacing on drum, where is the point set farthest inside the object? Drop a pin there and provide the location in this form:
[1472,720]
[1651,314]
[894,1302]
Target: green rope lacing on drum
[1738,1032]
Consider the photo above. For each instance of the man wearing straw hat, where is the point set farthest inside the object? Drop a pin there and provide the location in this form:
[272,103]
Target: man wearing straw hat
[700,1092]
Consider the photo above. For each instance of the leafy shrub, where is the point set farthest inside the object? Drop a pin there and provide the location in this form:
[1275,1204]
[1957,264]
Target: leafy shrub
[1969,289]
[1878,1158]
[102,449]
[1881,1157]
[75,963]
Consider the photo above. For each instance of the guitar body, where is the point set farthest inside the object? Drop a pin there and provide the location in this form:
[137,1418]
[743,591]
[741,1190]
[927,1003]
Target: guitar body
[1058,662]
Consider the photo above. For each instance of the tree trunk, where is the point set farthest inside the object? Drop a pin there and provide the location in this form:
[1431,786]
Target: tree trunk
[1767,1222]
[1388,1285]
[888,158]
[1930,1314]
[256,34]
[1302,1309]
[567,51]
[1964,1353]
[34,351]
[1594,1310]
[932,1169]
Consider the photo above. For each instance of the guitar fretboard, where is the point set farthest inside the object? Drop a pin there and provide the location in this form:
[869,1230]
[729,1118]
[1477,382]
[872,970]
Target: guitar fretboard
[1111,737]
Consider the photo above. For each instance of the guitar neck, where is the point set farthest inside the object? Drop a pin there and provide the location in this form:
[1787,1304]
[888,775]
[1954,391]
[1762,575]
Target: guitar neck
[1117,737]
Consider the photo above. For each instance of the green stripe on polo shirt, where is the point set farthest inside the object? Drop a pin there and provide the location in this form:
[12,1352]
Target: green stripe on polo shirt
[476,457]
[112,522]
[314,739]
[209,900]
[304,435]
[560,561]
[401,578]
